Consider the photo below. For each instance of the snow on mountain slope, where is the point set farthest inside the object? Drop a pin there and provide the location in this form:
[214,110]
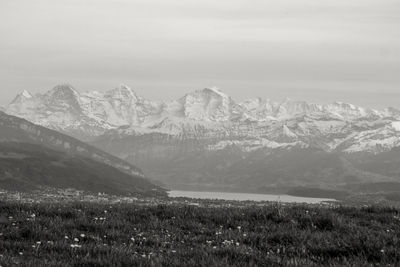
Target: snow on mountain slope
[211,114]
[259,109]
[82,115]
[208,105]
[396,125]
[373,139]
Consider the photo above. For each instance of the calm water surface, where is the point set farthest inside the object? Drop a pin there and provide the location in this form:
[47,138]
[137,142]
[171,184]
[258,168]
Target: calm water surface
[246,196]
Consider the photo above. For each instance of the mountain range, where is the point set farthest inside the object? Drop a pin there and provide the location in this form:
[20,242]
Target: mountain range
[205,139]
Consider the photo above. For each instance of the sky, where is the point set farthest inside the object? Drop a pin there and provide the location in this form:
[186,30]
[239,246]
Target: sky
[314,50]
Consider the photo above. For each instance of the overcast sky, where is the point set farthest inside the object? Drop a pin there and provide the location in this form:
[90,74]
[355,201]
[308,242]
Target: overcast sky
[314,50]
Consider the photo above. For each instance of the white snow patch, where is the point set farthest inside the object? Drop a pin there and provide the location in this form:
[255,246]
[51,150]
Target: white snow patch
[396,125]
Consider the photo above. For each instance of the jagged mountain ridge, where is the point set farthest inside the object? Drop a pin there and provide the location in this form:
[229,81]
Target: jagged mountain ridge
[209,113]
[206,139]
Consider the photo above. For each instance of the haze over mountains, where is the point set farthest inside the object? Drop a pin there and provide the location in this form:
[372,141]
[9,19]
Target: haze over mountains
[34,157]
[206,139]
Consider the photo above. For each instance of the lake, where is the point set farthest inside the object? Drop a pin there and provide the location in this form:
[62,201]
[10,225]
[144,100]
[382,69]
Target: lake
[246,196]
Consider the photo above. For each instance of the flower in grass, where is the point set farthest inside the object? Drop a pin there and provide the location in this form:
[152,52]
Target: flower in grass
[75,246]
[228,242]
[76,239]
[66,237]
[21,253]
[82,235]
[133,239]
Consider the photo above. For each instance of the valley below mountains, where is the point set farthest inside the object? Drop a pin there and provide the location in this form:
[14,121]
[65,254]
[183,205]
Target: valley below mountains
[205,140]
[36,158]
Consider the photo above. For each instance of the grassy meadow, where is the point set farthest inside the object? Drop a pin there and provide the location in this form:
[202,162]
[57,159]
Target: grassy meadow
[93,234]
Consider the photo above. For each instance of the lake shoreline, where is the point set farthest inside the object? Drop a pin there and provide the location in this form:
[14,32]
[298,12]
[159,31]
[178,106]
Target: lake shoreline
[229,196]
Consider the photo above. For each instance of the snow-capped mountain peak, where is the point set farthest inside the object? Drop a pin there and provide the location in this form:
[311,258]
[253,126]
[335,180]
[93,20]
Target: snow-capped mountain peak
[122,91]
[349,111]
[210,113]
[26,94]
[62,98]
[209,104]
[214,90]
[63,91]
[22,97]
[207,92]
